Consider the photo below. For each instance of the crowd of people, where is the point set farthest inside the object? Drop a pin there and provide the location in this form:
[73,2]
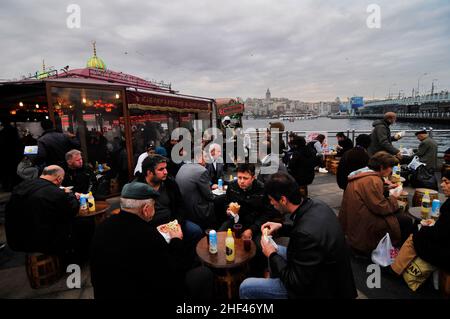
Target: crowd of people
[130,257]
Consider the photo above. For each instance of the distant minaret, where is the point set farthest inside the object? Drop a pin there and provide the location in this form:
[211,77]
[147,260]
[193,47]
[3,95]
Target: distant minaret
[268,97]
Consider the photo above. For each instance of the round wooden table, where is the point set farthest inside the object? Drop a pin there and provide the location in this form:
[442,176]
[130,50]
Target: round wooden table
[230,273]
[416,213]
[99,215]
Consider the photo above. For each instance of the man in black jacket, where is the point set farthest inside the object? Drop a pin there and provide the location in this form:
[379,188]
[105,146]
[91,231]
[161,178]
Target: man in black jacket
[79,176]
[344,144]
[40,217]
[53,146]
[131,259]
[315,263]
[254,206]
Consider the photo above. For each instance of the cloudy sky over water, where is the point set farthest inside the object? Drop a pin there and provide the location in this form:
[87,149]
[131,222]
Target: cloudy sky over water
[307,50]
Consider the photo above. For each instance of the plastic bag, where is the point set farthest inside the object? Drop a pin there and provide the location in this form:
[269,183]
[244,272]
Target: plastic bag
[417,272]
[385,253]
[424,177]
[415,163]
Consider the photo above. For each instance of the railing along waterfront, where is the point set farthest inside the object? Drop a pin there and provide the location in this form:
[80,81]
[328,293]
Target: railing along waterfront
[424,115]
[441,136]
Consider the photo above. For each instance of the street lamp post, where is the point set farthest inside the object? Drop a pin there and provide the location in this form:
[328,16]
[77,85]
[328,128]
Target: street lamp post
[393,84]
[418,83]
[432,86]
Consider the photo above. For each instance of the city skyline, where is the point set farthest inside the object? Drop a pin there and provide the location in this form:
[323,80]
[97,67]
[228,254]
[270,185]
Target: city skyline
[310,51]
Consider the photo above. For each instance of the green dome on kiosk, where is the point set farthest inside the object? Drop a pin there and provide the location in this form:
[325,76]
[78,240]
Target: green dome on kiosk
[43,74]
[95,62]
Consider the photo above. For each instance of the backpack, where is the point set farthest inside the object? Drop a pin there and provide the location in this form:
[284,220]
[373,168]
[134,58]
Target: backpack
[424,177]
[26,170]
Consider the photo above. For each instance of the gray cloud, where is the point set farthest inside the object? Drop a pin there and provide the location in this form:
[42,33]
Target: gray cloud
[307,50]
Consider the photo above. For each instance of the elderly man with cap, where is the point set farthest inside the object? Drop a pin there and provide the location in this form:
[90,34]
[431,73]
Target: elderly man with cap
[381,139]
[427,151]
[131,259]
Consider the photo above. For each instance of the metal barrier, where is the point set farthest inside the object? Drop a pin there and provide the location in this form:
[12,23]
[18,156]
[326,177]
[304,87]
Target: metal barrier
[352,134]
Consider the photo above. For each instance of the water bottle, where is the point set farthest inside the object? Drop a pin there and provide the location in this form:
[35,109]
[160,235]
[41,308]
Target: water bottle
[100,168]
[83,204]
[425,211]
[394,170]
[213,242]
[220,184]
[435,209]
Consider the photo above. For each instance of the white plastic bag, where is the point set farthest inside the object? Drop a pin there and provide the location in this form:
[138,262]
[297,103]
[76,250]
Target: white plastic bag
[415,163]
[385,253]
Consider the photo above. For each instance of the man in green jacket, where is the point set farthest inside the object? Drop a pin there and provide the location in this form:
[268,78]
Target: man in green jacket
[427,151]
[381,139]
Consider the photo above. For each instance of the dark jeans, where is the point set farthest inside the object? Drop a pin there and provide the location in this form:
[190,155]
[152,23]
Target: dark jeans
[192,233]
[319,161]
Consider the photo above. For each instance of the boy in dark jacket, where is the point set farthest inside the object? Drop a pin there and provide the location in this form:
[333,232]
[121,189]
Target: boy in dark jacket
[254,206]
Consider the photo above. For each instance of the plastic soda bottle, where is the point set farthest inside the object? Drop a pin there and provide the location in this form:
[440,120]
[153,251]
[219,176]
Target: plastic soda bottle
[213,242]
[91,202]
[426,205]
[229,246]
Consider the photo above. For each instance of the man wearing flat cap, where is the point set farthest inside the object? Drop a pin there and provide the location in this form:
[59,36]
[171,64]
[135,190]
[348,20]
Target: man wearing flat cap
[427,151]
[130,259]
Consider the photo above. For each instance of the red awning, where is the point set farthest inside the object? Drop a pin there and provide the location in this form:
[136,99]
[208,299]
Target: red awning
[166,102]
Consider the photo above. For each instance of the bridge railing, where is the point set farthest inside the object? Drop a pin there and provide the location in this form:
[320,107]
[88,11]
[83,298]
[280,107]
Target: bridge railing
[419,115]
[442,137]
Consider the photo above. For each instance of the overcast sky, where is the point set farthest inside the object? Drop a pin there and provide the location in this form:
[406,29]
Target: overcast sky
[307,50]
